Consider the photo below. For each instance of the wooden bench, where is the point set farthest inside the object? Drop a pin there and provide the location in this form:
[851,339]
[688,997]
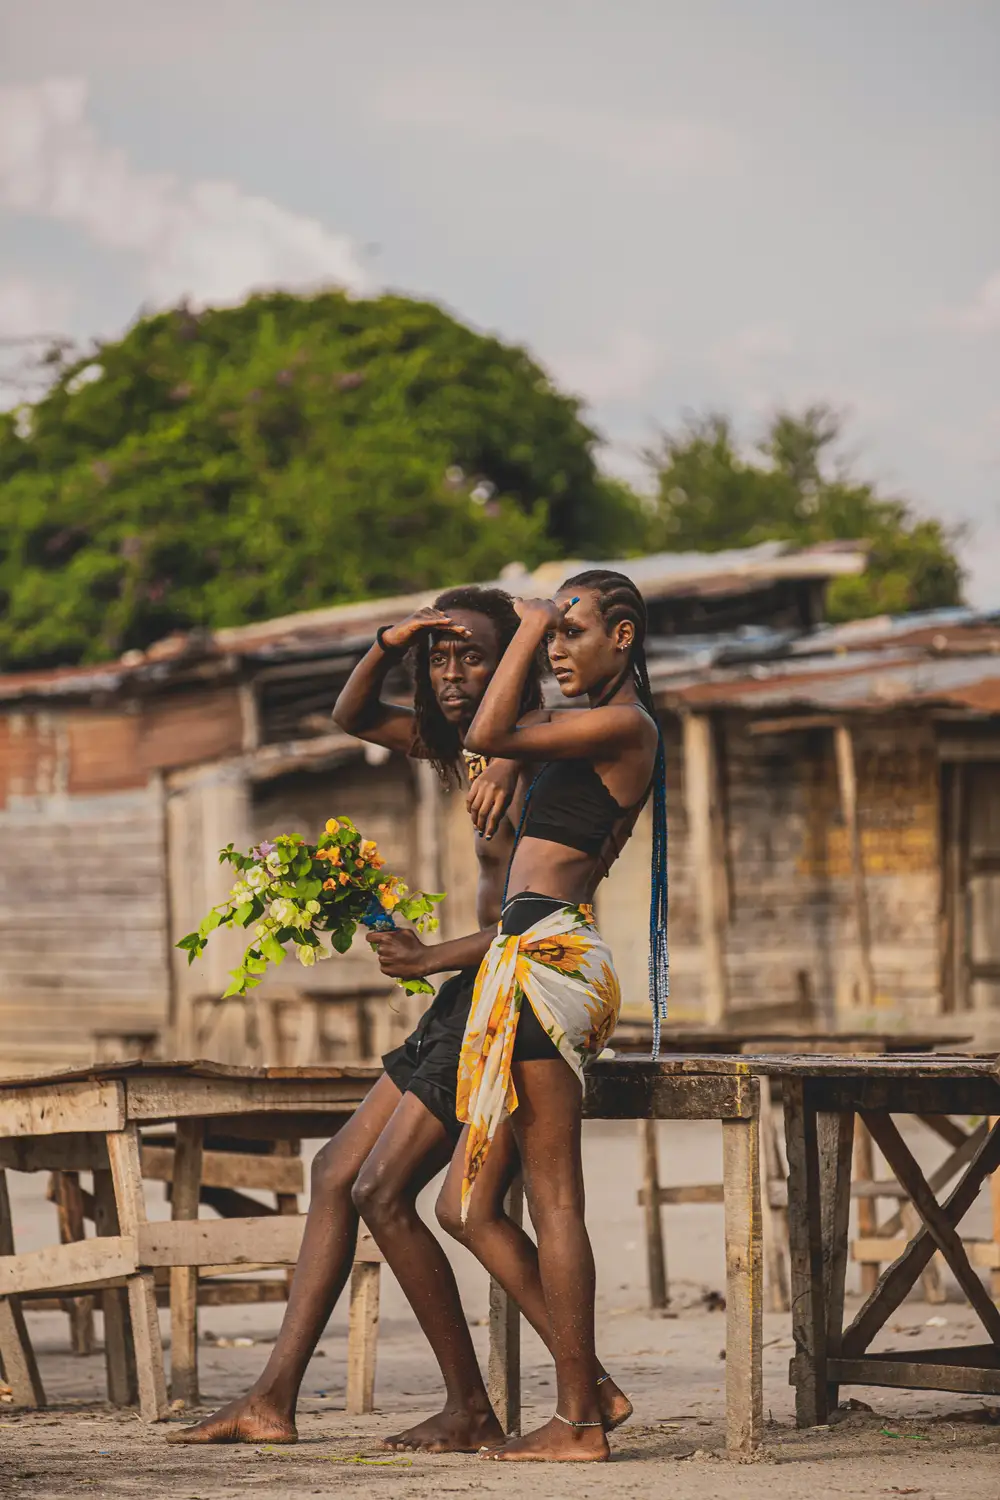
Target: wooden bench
[822,1098]
[91,1120]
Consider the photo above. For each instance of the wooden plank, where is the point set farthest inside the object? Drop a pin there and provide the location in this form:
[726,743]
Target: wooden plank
[848,783]
[702,1192]
[59,1108]
[168,1097]
[86,1263]
[773,1206]
[612,1096]
[69,1199]
[702,804]
[942,1175]
[905,1096]
[936,1221]
[274,1240]
[184,1202]
[230,1169]
[503,1378]
[80,1152]
[119,1351]
[123,1156]
[362,1337]
[897,1280]
[948,1129]
[805,1237]
[651,1197]
[912,1375]
[864,1173]
[17,1357]
[744,1287]
[835,1143]
[995,1214]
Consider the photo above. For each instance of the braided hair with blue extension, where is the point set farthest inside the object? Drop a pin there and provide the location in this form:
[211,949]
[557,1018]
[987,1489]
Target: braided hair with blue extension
[618,599]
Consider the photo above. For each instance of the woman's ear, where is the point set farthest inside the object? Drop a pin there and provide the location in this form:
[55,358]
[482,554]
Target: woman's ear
[624,635]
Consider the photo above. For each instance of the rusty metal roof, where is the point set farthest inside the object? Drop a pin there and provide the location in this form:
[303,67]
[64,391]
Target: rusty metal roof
[349,628]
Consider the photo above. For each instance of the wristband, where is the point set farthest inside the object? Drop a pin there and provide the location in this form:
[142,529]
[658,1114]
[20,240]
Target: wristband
[392,651]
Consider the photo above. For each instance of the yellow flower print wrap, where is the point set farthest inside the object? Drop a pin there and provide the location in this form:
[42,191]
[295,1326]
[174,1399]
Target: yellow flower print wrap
[562,968]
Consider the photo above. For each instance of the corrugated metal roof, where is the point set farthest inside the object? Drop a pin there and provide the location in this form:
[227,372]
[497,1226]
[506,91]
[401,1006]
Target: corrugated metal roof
[351,626]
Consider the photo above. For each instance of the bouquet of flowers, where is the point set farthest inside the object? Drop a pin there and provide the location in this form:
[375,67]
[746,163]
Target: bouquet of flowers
[291,892]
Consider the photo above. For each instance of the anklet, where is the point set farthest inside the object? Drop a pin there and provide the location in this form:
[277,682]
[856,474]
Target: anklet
[602,1378]
[561,1418]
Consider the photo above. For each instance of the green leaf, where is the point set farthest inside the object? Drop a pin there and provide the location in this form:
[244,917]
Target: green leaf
[244,914]
[342,939]
[272,949]
[417,986]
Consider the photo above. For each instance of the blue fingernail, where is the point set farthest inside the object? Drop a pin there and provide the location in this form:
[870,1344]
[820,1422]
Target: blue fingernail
[575,601]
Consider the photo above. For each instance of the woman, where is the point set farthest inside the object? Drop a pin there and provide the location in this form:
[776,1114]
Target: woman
[546,997]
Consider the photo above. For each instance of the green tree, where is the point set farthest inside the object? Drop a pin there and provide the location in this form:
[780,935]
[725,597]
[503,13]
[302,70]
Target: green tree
[710,497]
[216,468]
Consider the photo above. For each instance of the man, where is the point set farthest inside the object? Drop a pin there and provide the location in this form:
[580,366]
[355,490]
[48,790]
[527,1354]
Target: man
[405,1131]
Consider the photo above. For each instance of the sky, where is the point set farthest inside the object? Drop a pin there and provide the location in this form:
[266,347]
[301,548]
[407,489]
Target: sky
[677,205]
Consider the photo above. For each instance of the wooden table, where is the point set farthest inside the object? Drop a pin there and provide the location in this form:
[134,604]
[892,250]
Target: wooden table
[90,1120]
[654,1196]
[822,1097]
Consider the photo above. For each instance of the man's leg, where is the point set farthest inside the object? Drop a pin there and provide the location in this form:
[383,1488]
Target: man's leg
[267,1412]
[385,1195]
[507,1252]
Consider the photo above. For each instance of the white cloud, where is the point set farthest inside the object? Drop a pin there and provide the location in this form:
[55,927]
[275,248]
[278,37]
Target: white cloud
[982,314]
[30,308]
[209,240]
[635,144]
[621,372]
[751,352]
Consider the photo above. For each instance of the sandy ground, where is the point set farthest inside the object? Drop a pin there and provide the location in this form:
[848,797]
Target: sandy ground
[936,1446]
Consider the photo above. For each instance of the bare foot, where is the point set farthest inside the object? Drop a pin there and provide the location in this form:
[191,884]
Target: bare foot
[251,1419]
[615,1406]
[450,1432]
[556,1442]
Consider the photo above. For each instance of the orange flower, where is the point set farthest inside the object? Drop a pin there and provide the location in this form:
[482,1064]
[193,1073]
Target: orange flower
[368,850]
[587,913]
[566,953]
[344,878]
[333,825]
[329,885]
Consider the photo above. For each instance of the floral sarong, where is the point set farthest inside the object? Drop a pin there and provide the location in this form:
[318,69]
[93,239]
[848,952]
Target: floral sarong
[562,968]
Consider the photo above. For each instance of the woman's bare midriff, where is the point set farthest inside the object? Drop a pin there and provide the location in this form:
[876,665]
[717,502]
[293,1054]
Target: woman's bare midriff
[555,870]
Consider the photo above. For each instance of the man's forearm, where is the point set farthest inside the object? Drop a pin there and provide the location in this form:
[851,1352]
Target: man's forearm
[359,704]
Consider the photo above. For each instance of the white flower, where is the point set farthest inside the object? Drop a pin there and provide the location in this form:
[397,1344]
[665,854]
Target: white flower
[285,912]
[240,894]
[274,860]
[305,954]
[313,907]
[258,879]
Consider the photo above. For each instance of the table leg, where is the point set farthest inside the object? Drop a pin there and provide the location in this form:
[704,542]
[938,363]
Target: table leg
[504,1373]
[119,1352]
[774,1215]
[995,1204]
[184,1198]
[864,1171]
[65,1190]
[123,1153]
[656,1257]
[805,1238]
[835,1140]
[744,1285]
[362,1337]
[17,1357]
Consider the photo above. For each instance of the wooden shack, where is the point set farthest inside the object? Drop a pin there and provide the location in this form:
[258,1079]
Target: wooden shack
[120,782]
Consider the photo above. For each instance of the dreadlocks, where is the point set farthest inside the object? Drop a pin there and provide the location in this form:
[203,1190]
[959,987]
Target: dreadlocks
[434,738]
[619,599]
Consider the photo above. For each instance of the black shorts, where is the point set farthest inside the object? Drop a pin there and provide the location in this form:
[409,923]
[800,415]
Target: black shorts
[532,1042]
[427,1063]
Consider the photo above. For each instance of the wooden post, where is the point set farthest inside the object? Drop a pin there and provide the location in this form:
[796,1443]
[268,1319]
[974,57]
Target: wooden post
[774,1214]
[995,1204]
[362,1327]
[17,1357]
[835,1140]
[123,1154]
[119,1351]
[184,1200]
[701,798]
[656,1257]
[744,1285]
[65,1189]
[805,1235]
[864,1171]
[848,781]
[503,1381]
[954,975]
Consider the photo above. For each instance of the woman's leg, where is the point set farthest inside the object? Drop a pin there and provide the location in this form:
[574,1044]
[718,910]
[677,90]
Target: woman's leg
[507,1252]
[385,1195]
[267,1412]
[547,1127]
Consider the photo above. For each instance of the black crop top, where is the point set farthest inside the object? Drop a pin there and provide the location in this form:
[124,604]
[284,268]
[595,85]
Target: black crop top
[569,804]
